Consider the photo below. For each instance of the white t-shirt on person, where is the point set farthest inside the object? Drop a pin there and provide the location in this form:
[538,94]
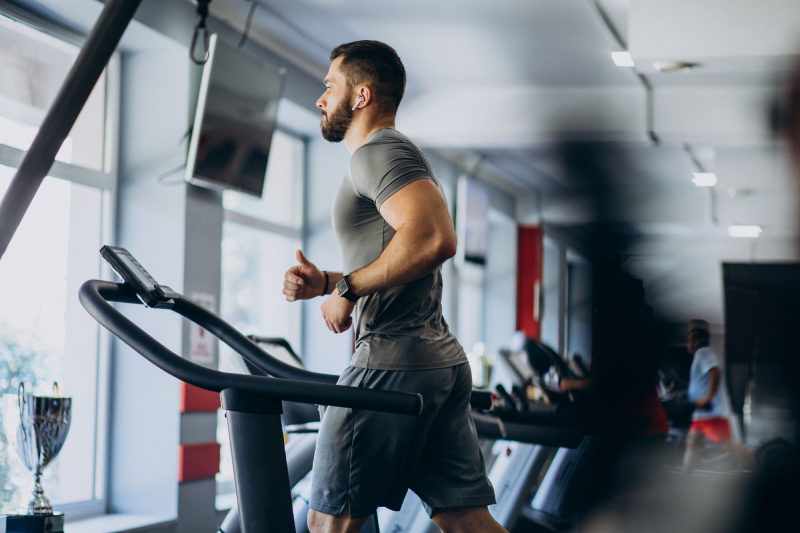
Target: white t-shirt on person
[704,360]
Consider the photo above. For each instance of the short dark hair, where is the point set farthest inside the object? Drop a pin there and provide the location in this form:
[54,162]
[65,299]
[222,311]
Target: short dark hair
[702,336]
[375,63]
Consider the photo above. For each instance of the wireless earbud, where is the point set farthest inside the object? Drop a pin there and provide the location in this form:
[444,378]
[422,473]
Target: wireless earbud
[360,99]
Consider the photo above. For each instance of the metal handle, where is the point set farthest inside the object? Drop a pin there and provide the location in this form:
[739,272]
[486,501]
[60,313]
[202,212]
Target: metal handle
[95,296]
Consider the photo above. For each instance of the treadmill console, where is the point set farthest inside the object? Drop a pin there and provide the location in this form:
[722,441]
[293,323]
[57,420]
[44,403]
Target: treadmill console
[132,273]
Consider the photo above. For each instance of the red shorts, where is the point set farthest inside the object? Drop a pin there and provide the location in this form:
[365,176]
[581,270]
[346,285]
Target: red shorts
[715,429]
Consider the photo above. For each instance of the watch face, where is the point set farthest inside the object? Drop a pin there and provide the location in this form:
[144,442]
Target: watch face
[341,286]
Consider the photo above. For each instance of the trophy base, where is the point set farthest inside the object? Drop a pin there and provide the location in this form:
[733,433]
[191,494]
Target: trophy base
[31,523]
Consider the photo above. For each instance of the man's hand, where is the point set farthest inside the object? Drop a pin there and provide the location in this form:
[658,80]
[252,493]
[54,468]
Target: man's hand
[337,313]
[702,402]
[304,281]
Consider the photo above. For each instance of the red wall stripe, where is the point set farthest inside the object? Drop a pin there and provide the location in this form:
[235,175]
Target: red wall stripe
[198,461]
[529,273]
[194,399]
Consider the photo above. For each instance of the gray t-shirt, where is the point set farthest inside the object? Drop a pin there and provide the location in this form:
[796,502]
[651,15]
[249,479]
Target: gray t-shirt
[402,327]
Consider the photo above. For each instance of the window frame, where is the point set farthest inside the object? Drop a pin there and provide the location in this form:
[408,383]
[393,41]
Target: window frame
[105,180]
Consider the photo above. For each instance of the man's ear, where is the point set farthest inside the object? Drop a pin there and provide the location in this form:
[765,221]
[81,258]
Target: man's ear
[365,92]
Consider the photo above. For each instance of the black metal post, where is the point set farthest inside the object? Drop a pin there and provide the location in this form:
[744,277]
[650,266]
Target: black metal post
[69,102]
[259,462]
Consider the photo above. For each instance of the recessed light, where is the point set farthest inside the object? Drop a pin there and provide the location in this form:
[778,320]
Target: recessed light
[674,66]
[704,179]
[622,58]
[746,232]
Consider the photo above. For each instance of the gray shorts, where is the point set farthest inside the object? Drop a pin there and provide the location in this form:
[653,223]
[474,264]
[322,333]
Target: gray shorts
[367,460]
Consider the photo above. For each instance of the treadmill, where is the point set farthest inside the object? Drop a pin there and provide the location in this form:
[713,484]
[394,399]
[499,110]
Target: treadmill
[252,403]
[280,386]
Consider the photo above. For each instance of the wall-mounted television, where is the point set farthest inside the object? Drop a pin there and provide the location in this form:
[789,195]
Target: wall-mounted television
[234,122]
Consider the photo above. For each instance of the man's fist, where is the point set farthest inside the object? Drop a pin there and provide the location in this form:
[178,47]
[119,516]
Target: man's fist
[337,312]
[304,281]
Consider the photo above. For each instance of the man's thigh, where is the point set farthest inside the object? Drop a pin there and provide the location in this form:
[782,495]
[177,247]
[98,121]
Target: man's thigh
[365,459]
[452,471]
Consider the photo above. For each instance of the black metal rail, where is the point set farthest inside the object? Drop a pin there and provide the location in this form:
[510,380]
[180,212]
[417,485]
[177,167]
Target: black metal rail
[95,295]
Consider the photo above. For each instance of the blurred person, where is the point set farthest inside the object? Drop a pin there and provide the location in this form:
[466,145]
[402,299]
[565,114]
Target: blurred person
[624,371]
[640,403]
[622,393]
[394,228]
[710,418]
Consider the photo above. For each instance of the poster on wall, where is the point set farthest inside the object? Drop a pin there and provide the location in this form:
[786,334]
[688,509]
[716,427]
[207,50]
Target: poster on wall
[202,344]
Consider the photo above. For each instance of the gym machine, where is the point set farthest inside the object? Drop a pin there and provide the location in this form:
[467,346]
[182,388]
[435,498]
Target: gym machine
[252,403]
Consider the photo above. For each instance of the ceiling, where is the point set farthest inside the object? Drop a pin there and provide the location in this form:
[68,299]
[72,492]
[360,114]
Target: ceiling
[529,87]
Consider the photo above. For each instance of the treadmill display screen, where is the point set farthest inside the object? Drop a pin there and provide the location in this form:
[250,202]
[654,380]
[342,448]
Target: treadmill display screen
[137,271]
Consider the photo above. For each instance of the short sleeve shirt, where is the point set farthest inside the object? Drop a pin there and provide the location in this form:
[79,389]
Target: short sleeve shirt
[704,360]
[402,327]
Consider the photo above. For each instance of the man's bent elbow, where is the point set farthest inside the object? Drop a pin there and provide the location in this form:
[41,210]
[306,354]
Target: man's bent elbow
[445,248]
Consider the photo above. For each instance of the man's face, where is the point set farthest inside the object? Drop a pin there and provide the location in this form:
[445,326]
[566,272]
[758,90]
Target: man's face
[692,342]
[335,105]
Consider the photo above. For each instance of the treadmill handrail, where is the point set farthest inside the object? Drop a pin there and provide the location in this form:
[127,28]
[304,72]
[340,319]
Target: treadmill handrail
[244,346]
[95,296]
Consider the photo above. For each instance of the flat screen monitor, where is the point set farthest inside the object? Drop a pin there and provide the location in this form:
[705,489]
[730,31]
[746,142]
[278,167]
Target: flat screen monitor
[234,122]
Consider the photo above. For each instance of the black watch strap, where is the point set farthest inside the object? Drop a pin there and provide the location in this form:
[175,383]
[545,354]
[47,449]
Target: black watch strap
[343,287]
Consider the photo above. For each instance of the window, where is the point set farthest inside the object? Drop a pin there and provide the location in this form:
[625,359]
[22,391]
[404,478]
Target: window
[45,335]
[259,239]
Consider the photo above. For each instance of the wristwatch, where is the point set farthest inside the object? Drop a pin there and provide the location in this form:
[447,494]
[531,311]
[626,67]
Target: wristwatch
[343,286]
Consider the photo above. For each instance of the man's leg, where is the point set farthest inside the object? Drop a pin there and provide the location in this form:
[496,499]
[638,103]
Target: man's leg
[741,453]
[326,523]
[691,455]
[466,520]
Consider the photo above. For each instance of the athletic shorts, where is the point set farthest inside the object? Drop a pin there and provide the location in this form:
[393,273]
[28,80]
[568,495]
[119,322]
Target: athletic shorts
[715,429]
[367,459]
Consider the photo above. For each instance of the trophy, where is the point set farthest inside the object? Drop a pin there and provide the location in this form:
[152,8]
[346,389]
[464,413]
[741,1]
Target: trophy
[37,426]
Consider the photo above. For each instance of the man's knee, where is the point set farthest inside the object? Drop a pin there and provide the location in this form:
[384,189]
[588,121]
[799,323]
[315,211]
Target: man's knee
[693,439]
[466,520]
[324,523]
[315,521]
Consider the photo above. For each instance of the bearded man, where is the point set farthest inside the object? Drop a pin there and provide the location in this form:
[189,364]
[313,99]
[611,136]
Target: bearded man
[394,228]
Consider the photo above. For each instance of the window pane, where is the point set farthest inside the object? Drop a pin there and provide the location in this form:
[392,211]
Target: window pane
[253,266]
[282,200]
[46,336]
[33,67]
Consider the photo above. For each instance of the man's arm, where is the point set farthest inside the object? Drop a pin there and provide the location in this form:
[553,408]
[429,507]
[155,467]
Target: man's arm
[424,239]
[713,387]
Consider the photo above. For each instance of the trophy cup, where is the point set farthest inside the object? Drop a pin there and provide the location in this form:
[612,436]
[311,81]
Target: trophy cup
[37,426]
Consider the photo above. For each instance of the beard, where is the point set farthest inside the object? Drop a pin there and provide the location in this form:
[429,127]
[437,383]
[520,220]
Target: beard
[335,125]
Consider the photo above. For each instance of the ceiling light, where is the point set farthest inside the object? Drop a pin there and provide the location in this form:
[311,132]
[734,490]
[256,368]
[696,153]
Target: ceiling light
[704,179]
[622,58]
[674,66]
[747,232]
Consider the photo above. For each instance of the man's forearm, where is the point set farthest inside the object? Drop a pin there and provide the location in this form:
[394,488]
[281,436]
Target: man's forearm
[713,386]
[409,256]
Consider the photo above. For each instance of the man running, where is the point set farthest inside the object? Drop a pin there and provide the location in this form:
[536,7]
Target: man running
[394,228]
[710,418]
